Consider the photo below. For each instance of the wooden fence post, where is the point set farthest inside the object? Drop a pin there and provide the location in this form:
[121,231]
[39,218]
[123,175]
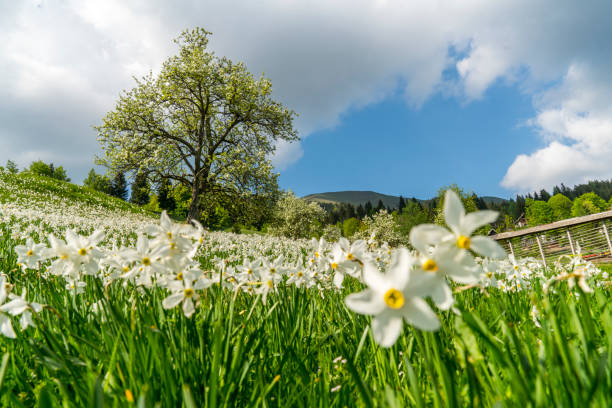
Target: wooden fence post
[511,249]
[569,237]
[541,250]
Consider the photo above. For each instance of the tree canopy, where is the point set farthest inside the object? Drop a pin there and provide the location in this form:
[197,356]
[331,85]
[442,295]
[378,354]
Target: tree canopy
[204,122]
[588,203]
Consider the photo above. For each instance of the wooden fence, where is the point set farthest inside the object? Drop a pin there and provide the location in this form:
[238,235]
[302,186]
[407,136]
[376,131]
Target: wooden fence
[550,241]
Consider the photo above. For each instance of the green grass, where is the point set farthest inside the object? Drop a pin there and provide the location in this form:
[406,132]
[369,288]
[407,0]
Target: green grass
[235,351]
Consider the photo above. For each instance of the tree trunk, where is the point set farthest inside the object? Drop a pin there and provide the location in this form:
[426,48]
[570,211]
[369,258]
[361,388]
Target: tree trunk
[195,201]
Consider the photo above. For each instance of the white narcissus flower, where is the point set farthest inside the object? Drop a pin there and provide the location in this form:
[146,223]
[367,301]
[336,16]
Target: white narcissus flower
[30,253]
[440,261]
[19,306]
[183,291]
[393,297]
[463,226]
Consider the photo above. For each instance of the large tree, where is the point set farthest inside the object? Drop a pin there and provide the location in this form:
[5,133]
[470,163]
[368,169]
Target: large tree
[203,121]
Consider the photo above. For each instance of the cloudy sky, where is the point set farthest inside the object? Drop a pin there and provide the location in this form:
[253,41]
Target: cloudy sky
[401,97]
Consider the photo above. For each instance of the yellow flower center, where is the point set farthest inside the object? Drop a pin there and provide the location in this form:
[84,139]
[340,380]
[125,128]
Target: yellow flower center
[30,253]
[82,252]
[300,274]
[394,298]
[272,270]
[350,256]
[516,268]
[169,235]
[489,274]
[188,292]
[249,271]
[146,261]
[334,265]
[179,276]
[464,242]
[172,245]
[270,283]
[316,254]
[64,256]
[430,266]
[126,269]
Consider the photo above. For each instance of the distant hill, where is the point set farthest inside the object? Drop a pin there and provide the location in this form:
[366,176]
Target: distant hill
[361,197]
[354,197]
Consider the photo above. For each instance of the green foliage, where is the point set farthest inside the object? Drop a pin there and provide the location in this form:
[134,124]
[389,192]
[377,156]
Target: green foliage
[561,207]
[588,203]
[140,190]
[350,227]
[153,204]
[97,182]
[48,170]
[164,195]
[413,214]
[219,219]
[181,195]
[11,167]
[538,212]
[203,121]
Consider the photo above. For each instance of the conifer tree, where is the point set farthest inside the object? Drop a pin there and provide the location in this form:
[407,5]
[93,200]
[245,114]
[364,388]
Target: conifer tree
[401,204]
[140,190]
[164,196]
[379,206]
[119,186]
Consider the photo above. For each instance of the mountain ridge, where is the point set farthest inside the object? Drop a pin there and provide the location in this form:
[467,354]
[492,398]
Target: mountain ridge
[357,197]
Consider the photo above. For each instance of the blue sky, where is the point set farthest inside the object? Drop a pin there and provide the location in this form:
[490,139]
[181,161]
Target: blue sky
[392,148]
[400,97]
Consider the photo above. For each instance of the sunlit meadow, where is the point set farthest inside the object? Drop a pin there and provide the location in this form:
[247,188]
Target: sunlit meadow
[104,304]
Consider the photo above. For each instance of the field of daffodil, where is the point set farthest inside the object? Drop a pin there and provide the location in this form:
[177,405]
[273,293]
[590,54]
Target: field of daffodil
[104,304]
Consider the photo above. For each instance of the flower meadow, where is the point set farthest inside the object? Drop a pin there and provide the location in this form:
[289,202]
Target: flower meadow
[102,304]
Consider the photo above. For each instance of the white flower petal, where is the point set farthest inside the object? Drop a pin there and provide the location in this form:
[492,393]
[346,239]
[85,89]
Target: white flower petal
[418,313]
[6,328]
[386,328]
[485,246]
[367,302]
[399,268]
[373,278]
[188,308]
[442,296]
[172,300]
[15,306]
[461,268]
[453,210]
[425,235]
[338,278]
[474,220]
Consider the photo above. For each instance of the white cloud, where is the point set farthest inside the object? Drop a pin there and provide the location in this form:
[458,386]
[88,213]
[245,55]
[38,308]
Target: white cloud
[63,64]
[575,119]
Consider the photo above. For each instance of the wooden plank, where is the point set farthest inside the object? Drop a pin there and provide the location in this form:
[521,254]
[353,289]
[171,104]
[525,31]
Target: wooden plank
[554,225]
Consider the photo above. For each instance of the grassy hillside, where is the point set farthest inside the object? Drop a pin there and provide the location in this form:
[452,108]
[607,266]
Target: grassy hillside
[42,205]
